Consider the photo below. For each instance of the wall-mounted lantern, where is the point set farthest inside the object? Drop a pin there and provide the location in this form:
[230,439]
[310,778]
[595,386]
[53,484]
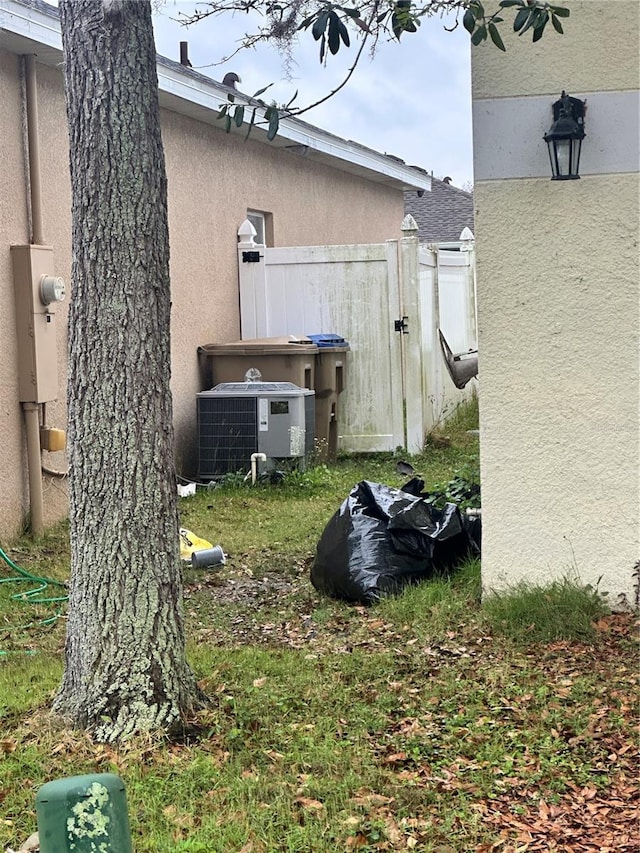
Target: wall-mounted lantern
[565,138]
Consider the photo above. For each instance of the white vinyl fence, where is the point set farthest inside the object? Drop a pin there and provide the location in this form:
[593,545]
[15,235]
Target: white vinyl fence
[388,301]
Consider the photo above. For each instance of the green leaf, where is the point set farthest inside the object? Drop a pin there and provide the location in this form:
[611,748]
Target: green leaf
[504,4]
[304,25]
[479,35]
[537,33]
[222,111]
[317,31]
[344,33]
[274,124]
[539,25]
[520,19]
[251,122]
[262,91]
[532,21]
[228,123]
[334,33]
[238,116]
[560,11]
[496,37]
[469,21]
[557,26]
[402,20]
[351,13]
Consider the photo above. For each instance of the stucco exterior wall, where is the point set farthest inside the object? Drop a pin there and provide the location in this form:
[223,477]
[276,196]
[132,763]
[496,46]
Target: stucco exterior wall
[213,180]
[558,294]
[597,53]
[13,216]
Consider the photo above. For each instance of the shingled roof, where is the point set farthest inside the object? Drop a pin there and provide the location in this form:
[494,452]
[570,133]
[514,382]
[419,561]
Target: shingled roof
[442,213]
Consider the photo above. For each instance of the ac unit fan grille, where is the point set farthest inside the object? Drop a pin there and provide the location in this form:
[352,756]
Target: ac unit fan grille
[228,434]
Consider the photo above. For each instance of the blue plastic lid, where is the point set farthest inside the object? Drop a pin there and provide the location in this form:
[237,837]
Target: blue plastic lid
[328,340]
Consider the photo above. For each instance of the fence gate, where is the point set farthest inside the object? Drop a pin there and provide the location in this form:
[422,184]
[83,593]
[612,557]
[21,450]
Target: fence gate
[351,291]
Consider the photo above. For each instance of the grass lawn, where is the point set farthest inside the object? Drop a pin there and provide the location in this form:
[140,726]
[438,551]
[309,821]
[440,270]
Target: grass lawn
[429,722]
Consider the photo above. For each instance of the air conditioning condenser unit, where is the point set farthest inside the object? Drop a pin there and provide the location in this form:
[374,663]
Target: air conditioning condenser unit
[238,419]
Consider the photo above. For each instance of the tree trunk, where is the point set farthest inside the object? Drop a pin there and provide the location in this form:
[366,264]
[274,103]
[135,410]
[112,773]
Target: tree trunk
[125,649]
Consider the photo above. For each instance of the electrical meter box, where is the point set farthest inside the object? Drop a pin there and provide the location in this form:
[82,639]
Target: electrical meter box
[237,419]
[37,292]
[83,814]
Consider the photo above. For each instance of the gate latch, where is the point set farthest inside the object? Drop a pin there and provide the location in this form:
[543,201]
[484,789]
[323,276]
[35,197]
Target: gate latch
[251,257]
[401,325]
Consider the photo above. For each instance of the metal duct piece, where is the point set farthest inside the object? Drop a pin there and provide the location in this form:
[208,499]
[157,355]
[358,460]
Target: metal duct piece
[462,366]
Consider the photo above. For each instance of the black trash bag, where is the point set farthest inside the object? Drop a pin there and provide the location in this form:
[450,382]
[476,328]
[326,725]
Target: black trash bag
[382,539]
[472,523]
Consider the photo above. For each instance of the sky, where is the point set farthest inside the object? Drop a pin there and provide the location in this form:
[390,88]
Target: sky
[412,99]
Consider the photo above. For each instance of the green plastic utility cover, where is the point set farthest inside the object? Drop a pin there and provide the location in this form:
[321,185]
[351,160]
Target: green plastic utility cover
[83,814]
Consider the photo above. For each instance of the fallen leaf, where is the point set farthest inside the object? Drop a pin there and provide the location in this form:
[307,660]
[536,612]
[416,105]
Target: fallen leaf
[308,803]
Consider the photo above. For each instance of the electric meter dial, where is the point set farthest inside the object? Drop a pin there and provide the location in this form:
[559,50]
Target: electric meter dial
[51,289]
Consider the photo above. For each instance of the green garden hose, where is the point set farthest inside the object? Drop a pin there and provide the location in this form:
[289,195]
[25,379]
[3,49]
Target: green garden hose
[35,594]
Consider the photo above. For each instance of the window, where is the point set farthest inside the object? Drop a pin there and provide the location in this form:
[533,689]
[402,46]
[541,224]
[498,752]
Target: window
[263,223]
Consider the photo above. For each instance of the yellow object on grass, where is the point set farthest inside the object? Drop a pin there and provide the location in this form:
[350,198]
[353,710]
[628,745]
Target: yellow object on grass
[189,543]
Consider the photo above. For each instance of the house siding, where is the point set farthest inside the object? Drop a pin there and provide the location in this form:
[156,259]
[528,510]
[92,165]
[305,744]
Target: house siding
[558,294]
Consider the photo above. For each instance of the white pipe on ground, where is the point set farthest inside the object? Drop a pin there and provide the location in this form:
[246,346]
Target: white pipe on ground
[254,465]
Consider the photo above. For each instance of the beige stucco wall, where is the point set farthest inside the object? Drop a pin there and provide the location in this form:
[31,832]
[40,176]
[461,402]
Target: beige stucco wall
[598,52]
[14,230]
[213,180]
[558,297]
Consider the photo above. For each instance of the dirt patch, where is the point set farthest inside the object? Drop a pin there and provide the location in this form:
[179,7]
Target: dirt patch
[248,591]
[236,606]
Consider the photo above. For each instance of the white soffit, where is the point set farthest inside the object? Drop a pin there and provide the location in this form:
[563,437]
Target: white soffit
[33,27]
[508,135]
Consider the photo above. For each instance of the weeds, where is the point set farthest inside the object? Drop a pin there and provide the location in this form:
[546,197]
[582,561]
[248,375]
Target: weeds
[561,610]
[423,723]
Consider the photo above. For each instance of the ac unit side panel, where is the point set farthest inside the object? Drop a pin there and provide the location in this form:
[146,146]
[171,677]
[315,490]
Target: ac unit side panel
[281,425]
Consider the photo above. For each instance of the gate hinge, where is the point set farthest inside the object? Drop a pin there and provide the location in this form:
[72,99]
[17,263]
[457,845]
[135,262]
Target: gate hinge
[251,257]
[401,325]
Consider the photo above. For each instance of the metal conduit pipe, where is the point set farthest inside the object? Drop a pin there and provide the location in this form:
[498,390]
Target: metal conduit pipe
[37,237]
[32,410]
[32,428]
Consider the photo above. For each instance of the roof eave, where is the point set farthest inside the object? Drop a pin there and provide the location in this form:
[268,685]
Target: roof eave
[35,29]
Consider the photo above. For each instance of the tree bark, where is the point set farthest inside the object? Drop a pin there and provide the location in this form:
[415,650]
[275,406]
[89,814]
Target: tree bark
[125,666]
